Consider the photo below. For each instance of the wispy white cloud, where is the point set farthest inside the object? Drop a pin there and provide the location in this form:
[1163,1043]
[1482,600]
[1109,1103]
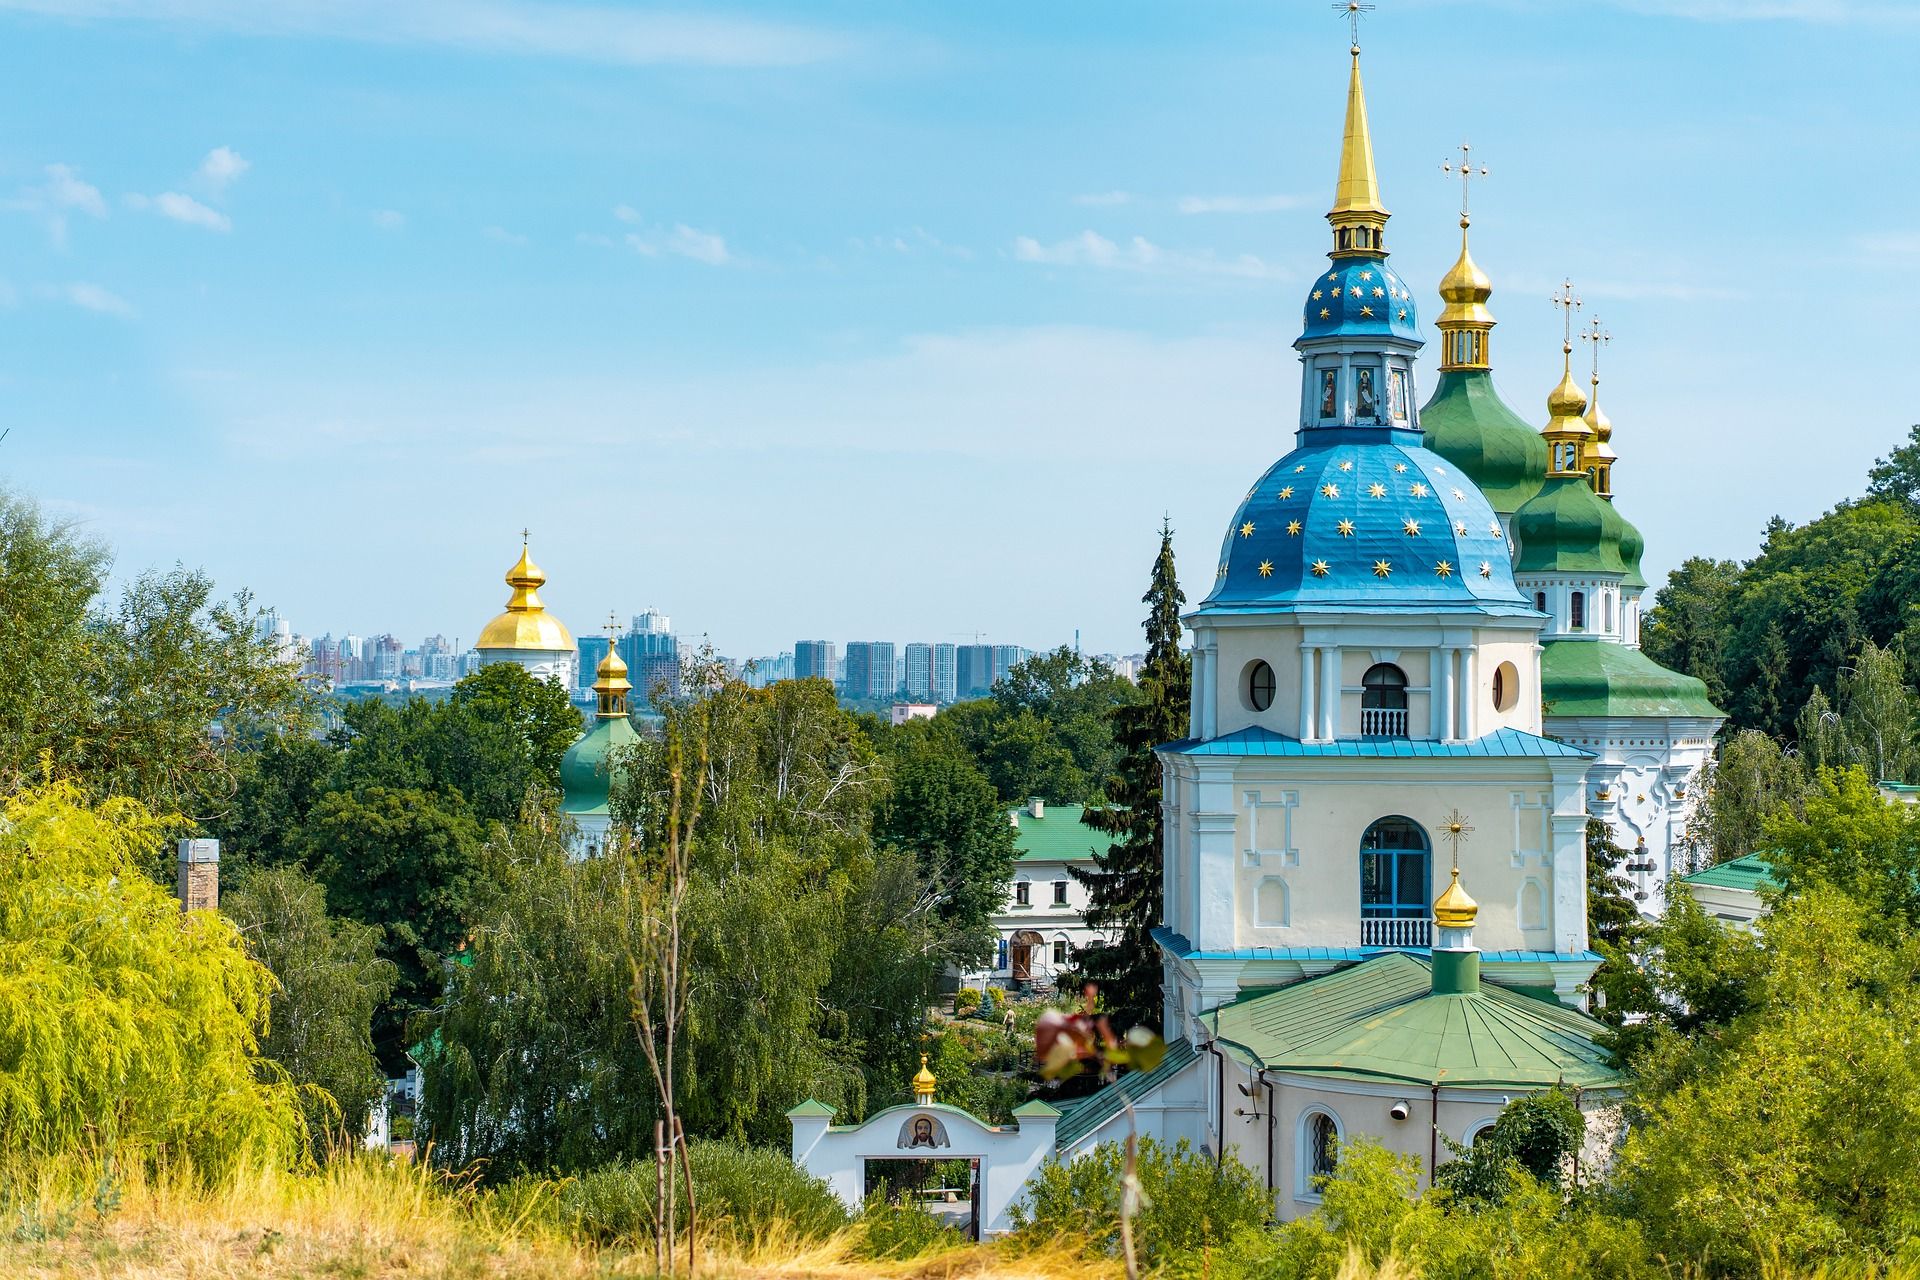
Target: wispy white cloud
[389,219]
[918,240]
[182,208]
[1091,249]
[222,167]
[63,192]
[682,240]
[1238,204]
[528,28]
[1904,245]
[93,297]
[500,235]
[1104,199]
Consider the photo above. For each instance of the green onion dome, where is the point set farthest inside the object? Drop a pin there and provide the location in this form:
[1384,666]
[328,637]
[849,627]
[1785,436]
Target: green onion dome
[1632,547]
[1469,425]
[1567,528]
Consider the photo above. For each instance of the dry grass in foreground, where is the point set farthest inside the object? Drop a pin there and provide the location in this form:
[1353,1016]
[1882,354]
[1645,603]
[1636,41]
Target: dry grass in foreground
[371,1220]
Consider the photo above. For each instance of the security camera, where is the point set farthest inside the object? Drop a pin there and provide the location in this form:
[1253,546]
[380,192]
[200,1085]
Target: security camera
[1400,1110]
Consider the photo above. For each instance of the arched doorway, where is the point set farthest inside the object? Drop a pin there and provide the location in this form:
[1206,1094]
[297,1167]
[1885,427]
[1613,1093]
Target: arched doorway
[1026,947]
[1396,885]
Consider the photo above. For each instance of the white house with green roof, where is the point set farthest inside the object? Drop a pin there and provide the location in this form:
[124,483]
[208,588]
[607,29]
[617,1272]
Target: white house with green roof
[1043,924]
[1730,891]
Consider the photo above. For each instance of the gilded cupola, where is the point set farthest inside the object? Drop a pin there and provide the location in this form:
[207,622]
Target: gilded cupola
[526,625]
[1358,217]
[1454,909]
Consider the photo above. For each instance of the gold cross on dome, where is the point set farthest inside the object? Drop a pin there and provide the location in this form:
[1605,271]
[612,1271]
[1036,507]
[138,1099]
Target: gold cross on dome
[1568,302]
[1353,10]
[1597,334]
[1454,828]
[525,534]
[613,627]
[1468,171]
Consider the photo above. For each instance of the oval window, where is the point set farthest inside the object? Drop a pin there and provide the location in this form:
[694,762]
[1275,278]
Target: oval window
[1260,686]
[1506,687]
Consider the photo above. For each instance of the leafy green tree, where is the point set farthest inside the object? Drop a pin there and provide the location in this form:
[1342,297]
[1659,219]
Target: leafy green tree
[1536,1136]
[407,861]
[1896,477]
[1849,836]
[276,790]
[1687,628]
[1752,776]
[155,696]
[1688,974]
[1124,890]
[329,981]
[1818,732]
[127,1030]
[539,715]
[1045,731]
[1878,715]
[1612,914]
[1790,1137]
[942,808]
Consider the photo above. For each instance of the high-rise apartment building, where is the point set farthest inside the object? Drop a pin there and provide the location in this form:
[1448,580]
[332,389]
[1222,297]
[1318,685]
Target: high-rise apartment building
[919,675]
[945,674]
[652,655]
[813,660]
[869,669]
[978,667]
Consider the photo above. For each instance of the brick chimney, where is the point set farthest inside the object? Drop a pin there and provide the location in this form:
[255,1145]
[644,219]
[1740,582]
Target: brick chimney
[199,875]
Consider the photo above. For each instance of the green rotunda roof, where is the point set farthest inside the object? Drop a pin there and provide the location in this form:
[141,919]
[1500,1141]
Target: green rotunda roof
[1381,1021]
[1469,425]
[584,779]
[1601,678]
[1568,528]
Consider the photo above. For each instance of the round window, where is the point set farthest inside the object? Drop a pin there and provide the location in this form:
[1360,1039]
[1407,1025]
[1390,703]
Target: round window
[1260,686]
[1506,687]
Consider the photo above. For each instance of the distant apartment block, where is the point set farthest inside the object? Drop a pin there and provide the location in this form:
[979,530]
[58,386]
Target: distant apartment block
[869,669]
[813,660]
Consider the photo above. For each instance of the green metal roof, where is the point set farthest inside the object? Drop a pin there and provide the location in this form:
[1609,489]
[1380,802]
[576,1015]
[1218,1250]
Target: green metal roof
[1380,1021]
[1469,425]
[1567,528]
[1078,1119]
[1601,678]
[1750,873]
[1061,836]
[584,777]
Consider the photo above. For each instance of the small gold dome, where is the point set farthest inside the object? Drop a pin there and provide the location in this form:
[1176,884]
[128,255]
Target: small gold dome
[612,673]
[1466,284]
[1597,419]
[1568,401]
[1455,910]
[923,1081]
[526,625]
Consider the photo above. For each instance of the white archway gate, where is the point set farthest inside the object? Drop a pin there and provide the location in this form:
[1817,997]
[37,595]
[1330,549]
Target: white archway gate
[1008,1155]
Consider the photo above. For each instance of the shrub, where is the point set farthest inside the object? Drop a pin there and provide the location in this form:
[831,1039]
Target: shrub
[889,1230]
[741,1193]
[1193,1204]
[966,1002]
[990,1001]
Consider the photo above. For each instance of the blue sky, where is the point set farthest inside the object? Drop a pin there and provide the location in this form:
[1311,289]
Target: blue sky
[885,320]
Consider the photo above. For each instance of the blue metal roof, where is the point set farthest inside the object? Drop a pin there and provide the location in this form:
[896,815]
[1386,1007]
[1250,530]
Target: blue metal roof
[1359,296]
[1360,517]
[1256,740]
[1179,945]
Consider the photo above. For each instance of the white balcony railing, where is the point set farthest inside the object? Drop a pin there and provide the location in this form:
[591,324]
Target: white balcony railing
[1383,722]
[1396,933]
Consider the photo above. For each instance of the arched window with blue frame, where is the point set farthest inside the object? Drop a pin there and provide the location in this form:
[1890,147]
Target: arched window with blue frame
[1396,884]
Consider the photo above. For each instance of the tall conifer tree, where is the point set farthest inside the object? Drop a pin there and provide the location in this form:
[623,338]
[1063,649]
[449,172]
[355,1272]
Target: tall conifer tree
[1124,889]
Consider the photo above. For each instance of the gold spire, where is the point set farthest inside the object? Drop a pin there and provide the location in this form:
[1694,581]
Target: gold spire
[526,624]
[1359,218]
[1567,432]
[1600,454]
[1466,322]
[610,685]
[923,1083]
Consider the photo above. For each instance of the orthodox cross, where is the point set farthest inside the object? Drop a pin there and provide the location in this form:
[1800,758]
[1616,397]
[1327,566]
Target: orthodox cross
[612,628]
[524,535]
[1569,303]
[1454,828]
[1599,337]
[1353,10]
[1468,172]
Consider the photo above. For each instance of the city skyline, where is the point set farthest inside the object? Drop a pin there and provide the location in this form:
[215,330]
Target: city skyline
[333,303]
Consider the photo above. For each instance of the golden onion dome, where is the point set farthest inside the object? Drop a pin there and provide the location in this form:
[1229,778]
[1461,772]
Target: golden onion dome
[1466,288]
[1598,420]
[1454,909]
[923,1081]
[526,625]
[1567,400]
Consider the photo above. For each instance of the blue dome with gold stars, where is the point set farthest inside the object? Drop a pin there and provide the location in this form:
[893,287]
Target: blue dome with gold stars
[1360,519]
[1360,296]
